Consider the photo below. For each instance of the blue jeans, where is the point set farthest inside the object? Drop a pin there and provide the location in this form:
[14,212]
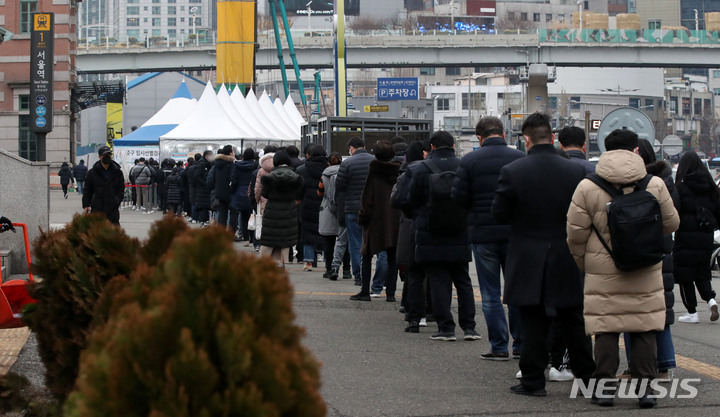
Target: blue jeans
[80,186]
[354,234]
[309,254]
[665,349]
[489,260]
[381,271]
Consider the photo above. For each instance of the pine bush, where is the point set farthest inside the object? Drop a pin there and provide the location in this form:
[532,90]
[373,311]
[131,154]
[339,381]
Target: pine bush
[205,332]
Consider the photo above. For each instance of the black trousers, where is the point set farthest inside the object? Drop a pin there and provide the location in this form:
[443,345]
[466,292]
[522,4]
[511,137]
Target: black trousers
[64,188]
[442,276]
[223,212]
[534,355]
[704,287]
[416,285]
[390,279]
[644,355]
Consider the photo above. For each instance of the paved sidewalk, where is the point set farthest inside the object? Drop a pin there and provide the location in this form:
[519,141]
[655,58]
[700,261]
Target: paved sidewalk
[372,368]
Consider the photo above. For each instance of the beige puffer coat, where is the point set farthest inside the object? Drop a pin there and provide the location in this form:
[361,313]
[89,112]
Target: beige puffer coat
[266,167]
[616,301]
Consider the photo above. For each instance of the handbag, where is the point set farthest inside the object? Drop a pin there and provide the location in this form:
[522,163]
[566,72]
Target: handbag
[258,223]
[251,222]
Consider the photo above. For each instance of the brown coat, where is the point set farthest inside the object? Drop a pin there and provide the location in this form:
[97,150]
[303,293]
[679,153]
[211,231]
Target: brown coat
[380,222]
[616,301]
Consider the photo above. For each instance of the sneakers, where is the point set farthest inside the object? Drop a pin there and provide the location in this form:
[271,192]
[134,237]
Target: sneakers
[516,354]
[308,267]
[360,297]
[690,318]
[333,274]
[471,335]
[66,196]
[347,274]
[518,375]
[560,375]
[444,336]
[413,327]
[713,309]
[375,295]
[491,356]
[423,322]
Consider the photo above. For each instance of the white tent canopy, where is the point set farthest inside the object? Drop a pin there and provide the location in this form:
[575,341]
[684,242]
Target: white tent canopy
[267,107]
[227,105]
[293,112]
[175,110]
[242,106]
[252,102]
[207,123]
[280,109]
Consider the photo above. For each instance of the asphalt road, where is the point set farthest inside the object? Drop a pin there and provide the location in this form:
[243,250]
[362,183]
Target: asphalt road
[371,367]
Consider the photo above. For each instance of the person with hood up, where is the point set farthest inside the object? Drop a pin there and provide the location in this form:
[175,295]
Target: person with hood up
[79,172]
[266,167]
[240,207]
[174,192]
[311,172]
[104,187]
[198,180]
[699,209]
[282,189]
[66,178]
[219,180]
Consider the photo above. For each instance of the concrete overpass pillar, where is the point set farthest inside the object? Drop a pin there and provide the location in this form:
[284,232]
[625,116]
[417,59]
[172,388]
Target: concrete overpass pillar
[537,91]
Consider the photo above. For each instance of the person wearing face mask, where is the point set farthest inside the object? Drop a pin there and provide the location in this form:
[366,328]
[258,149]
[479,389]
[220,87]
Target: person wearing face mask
[104,187]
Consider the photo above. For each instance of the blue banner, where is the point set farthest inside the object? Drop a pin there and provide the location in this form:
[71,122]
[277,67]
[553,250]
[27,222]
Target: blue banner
[397,89]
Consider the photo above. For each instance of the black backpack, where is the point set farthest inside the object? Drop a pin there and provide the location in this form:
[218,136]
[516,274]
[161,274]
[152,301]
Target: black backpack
[445,218]
[635,223]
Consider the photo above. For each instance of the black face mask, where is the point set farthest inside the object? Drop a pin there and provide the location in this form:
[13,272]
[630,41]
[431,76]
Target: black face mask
[106,159]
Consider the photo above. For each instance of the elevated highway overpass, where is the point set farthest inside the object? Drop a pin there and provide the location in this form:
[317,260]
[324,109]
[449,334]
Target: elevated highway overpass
[393,51]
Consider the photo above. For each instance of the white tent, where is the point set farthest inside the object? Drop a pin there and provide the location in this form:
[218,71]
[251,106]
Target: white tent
[280,109]
[293,112]
[227,105]
[252,102]
[244,109]
[267,107]
[175,110]
[207,125]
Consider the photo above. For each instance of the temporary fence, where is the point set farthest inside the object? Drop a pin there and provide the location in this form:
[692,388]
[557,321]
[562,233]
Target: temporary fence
[149,196]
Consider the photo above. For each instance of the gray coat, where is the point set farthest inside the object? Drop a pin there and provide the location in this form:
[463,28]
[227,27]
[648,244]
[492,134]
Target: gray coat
[329,225]
[141,174]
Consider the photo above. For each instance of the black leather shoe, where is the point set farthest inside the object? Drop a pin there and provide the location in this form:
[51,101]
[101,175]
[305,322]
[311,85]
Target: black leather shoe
[413,327]
[603,402]
[647,402]
[358,282]
[521,390]
[360,297]
[390,299]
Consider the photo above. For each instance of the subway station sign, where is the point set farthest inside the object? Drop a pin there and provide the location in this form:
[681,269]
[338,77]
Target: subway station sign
[41,72]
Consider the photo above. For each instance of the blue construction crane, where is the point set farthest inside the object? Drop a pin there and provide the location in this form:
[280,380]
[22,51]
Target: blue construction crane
[291,48]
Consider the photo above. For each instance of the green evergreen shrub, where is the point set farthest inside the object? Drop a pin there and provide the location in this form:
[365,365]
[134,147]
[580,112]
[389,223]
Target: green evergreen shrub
[73,265]
[19,398]
[205,332]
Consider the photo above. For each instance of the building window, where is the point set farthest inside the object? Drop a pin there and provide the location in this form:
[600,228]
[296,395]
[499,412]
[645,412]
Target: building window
[133,33]
[587,4]
[145,19]
[454,123]
[156,21]
[182,20]
[536,17]
[634,103]
[172,10]
[195,1]
[182,8]
[716,73]
[561,17]
[686,106]
[133,10]
[477,101]
[198,21]
[548,17]
[171,21]
[697,106]
[552,103]
[716,91]
[511,16]
[445,102]
[133,1]
[172,33]
[523,16]
[133,21]
[156,1]
[157,33]
[156,10]
[575,103]
[427,71]
[673,105]
[27,140]
[452,71]
[649,104]
[23,102]
[27,7]
[172,1]
[145,8]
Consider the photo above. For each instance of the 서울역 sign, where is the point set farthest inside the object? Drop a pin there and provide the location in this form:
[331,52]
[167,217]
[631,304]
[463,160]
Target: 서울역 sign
[41,71]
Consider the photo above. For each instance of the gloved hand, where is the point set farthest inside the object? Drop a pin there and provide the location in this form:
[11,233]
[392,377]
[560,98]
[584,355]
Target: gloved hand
[5,224]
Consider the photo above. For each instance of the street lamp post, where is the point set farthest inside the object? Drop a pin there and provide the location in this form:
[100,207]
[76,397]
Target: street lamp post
[192,13]
[309,10]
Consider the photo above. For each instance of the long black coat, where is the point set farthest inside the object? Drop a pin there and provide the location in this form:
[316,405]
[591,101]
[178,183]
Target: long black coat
[429,247]
[399,198]
[241,179]
[219,178]
[533,195]
[663,170]
[282,188]
[104,190]
[198,174]
[379,220]
[311,173]
[65,175]
[694,244]
[475,184]
[174,189]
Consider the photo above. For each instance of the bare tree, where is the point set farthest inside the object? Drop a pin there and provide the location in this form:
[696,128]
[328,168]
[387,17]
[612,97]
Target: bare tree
[361,23]
[513,24]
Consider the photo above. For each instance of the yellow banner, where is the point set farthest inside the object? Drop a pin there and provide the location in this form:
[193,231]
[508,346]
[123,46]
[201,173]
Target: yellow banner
[236,41]
[114,122]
